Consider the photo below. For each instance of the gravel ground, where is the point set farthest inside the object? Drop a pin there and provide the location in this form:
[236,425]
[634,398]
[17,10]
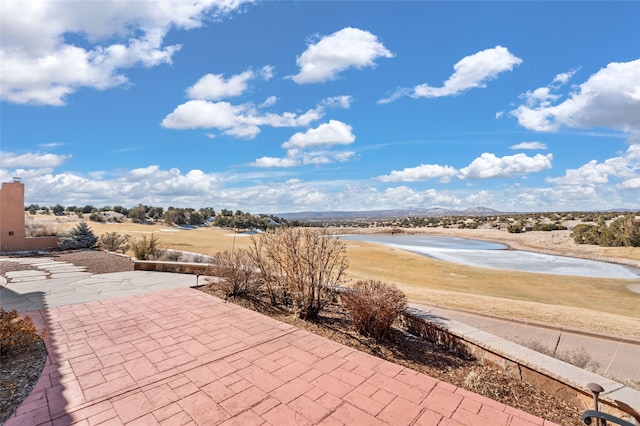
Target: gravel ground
[97,262]
[20,369]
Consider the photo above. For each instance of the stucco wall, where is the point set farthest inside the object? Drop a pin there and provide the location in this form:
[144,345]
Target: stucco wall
[12,230]
[40,243]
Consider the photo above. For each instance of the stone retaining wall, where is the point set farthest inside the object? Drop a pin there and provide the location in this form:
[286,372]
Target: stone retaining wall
[177,267]
[559,378]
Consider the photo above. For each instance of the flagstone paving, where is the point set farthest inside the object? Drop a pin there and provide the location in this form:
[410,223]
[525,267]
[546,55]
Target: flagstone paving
[61,283]
[183,357]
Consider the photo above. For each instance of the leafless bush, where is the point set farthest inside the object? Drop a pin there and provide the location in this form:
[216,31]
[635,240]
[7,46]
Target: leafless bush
[374,307]
[308,262]
[172,255]
[578,356]
[115,242]
[277,289]
[198,259]
[235,273]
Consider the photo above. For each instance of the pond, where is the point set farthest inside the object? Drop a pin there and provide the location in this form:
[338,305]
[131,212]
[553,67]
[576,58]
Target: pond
[495,255]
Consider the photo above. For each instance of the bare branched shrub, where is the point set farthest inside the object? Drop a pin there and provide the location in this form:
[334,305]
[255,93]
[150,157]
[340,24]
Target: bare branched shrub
[235,273]
[16,332]
[578,356]
[374,307]
[172,255]
[310,263]
[147,248]
[269,270]
[115,242]
[198,259]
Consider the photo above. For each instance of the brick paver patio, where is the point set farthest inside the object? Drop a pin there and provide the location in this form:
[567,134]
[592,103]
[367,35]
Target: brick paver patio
[182,357]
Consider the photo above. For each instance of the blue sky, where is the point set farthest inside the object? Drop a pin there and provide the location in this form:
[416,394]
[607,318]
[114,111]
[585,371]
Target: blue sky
[284,106]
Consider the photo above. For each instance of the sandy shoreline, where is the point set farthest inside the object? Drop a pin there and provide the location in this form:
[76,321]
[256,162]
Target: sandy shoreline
[550,242]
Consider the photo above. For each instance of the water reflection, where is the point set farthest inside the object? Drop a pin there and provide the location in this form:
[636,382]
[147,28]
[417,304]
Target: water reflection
[495,255]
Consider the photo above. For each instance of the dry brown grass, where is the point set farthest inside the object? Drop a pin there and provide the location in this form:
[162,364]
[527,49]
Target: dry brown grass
[369,261]
[207,241]
[596,304]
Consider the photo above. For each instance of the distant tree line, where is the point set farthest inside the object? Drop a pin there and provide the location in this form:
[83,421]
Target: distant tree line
[516,222]
[245,220]
[623,230]
[171,216]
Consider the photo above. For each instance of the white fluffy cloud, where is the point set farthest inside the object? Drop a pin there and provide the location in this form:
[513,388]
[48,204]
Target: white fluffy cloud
[338,102]
[314,146]
[31,160]
[484,167]
[167,183]
[408,197]
[242,120]
[156,186]
[326,156]
[276,162]
[588,174]
[297,158]
[150,185]
[332,133]
[630,184]
[489,166]
[625,167]
[332,54]
[40,65]
[213,87]
[610,98]
[421,172]
[470,72]
[529,145]
[480,198]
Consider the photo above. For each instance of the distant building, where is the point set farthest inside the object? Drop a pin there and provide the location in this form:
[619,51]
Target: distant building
[12,224]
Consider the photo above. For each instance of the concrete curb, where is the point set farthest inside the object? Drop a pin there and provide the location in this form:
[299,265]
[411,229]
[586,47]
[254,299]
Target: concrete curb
[629,340]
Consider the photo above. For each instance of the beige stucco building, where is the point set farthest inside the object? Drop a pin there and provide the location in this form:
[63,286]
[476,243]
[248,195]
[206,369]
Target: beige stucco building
[12,224]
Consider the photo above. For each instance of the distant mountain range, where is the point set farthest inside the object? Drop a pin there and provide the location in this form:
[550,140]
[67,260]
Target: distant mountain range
[389,214]
[401,213]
